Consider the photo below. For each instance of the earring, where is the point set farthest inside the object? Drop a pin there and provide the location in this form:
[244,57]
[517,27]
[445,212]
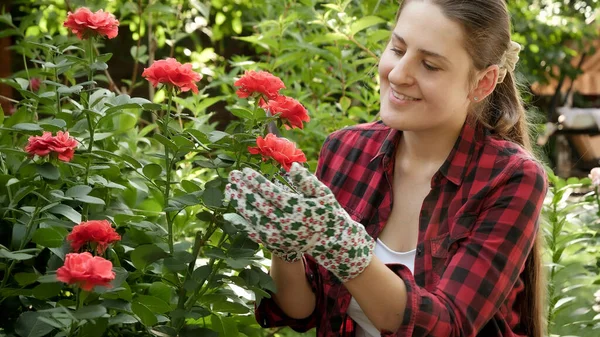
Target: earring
[475,98]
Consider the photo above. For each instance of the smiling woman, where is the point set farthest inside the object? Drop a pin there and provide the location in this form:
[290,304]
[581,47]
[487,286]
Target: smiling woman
[424,223]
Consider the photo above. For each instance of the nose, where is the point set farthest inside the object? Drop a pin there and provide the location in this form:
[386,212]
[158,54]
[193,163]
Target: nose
[402,74]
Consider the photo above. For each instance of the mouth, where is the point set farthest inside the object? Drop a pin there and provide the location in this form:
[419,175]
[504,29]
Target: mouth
[401,99]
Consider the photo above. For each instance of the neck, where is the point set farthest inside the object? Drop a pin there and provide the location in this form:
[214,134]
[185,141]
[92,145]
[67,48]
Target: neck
[425,151]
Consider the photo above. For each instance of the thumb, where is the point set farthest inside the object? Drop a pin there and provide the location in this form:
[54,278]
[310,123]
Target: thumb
[307,183]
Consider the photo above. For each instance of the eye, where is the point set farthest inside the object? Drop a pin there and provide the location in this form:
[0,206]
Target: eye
[430,67]
[398,52]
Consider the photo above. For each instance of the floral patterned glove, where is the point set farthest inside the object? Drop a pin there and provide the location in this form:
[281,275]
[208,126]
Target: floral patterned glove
[257,234]
[311,221]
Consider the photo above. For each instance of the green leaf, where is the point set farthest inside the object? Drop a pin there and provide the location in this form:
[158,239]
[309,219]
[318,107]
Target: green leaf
[88,199]
[78,191]
[122,318]
[70,90]
[160,290]
[242,113]
[152,171]
[144,255]
[14,255]
[213,197]
[215,136]
[165,141]
[155,304]
[365,23]
[48,171]
[66,211]
[95,328]
[90,312]
[29,325]
[27,127]
[51,237]
[45,291]
[197,331]
[144,314]
[225,326]
[24,279]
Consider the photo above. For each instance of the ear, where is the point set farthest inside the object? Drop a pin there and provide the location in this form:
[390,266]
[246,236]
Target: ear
[486,83]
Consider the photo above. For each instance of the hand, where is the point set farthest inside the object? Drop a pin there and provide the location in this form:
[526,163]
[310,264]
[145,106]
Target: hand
[264,234]
[311,221]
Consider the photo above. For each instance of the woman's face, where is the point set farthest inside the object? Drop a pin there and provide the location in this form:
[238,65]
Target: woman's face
[424,72]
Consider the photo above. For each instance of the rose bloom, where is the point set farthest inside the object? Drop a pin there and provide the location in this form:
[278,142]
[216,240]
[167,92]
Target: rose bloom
[97,233]
[34,84]
[171,72]
[595,176]
[290,111]
[86,24]
[261,82]
[280,149]
[86,271]
[62,144]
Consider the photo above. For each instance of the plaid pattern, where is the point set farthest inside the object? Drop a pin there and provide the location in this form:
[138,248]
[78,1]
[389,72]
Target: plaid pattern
[476,230]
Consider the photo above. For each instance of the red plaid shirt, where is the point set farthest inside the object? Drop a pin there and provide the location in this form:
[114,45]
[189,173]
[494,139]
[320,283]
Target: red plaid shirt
[476,230]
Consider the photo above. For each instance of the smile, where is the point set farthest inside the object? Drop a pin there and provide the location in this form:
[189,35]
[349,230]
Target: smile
[403,98]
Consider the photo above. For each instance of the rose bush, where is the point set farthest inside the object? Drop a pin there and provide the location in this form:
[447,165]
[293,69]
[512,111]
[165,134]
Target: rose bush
[121,227]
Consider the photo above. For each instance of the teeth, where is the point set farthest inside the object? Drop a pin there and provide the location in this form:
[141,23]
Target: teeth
[403,97]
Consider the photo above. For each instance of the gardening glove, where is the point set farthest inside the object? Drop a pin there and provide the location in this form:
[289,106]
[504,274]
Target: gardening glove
[265,234]
[311,221]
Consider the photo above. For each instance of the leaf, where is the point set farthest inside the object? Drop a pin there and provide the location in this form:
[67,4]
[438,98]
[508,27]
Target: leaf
[66,211]
[78,191]
[95,328]
[51,237]
[155,304]
[365,23]
[145,315]
[160,290]
[144,255]
[24,279]
[235,219]
[45,291]
[27,127]
[88,199]
[215,136]
[165,141]
[29,325]
[48,171]
[225,326]
[242,113]
[122,318]
[213,197]
[152,170]
[14,255]
[70,90]
[90,312]
[197,331]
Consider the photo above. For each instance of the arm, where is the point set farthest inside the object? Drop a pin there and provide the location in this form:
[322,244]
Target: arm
[478,278]
[294,294]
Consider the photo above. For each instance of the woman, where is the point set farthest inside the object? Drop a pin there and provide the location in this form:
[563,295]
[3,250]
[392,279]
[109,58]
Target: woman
[424,223]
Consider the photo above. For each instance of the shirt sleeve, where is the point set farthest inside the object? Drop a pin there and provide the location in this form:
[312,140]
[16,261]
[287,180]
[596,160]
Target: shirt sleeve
[268,314]
[488,262]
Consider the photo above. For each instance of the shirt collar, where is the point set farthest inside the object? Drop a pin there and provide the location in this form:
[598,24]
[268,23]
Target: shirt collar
[457,162]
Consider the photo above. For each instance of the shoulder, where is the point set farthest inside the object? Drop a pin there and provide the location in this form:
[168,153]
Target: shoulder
[367,136]
[512,163]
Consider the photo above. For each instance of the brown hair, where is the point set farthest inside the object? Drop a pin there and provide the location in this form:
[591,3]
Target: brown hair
[486,27]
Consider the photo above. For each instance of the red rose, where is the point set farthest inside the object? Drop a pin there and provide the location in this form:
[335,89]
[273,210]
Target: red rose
[34,84]
[98,233]
[86,24]
[171,72]
[86,271]
[259,82]
[280,149]
[290,111]
[62,144]
[40,145]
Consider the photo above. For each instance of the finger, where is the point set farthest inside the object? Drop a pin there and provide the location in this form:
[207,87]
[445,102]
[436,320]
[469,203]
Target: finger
[307,183]
[271,192]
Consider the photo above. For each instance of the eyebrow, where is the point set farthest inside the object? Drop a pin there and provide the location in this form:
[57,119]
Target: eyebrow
[422,51]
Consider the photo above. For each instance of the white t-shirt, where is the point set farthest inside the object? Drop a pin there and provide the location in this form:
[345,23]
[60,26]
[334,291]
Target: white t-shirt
[364,326]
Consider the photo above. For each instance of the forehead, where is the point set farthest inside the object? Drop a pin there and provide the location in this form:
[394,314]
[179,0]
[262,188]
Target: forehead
[423,25]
